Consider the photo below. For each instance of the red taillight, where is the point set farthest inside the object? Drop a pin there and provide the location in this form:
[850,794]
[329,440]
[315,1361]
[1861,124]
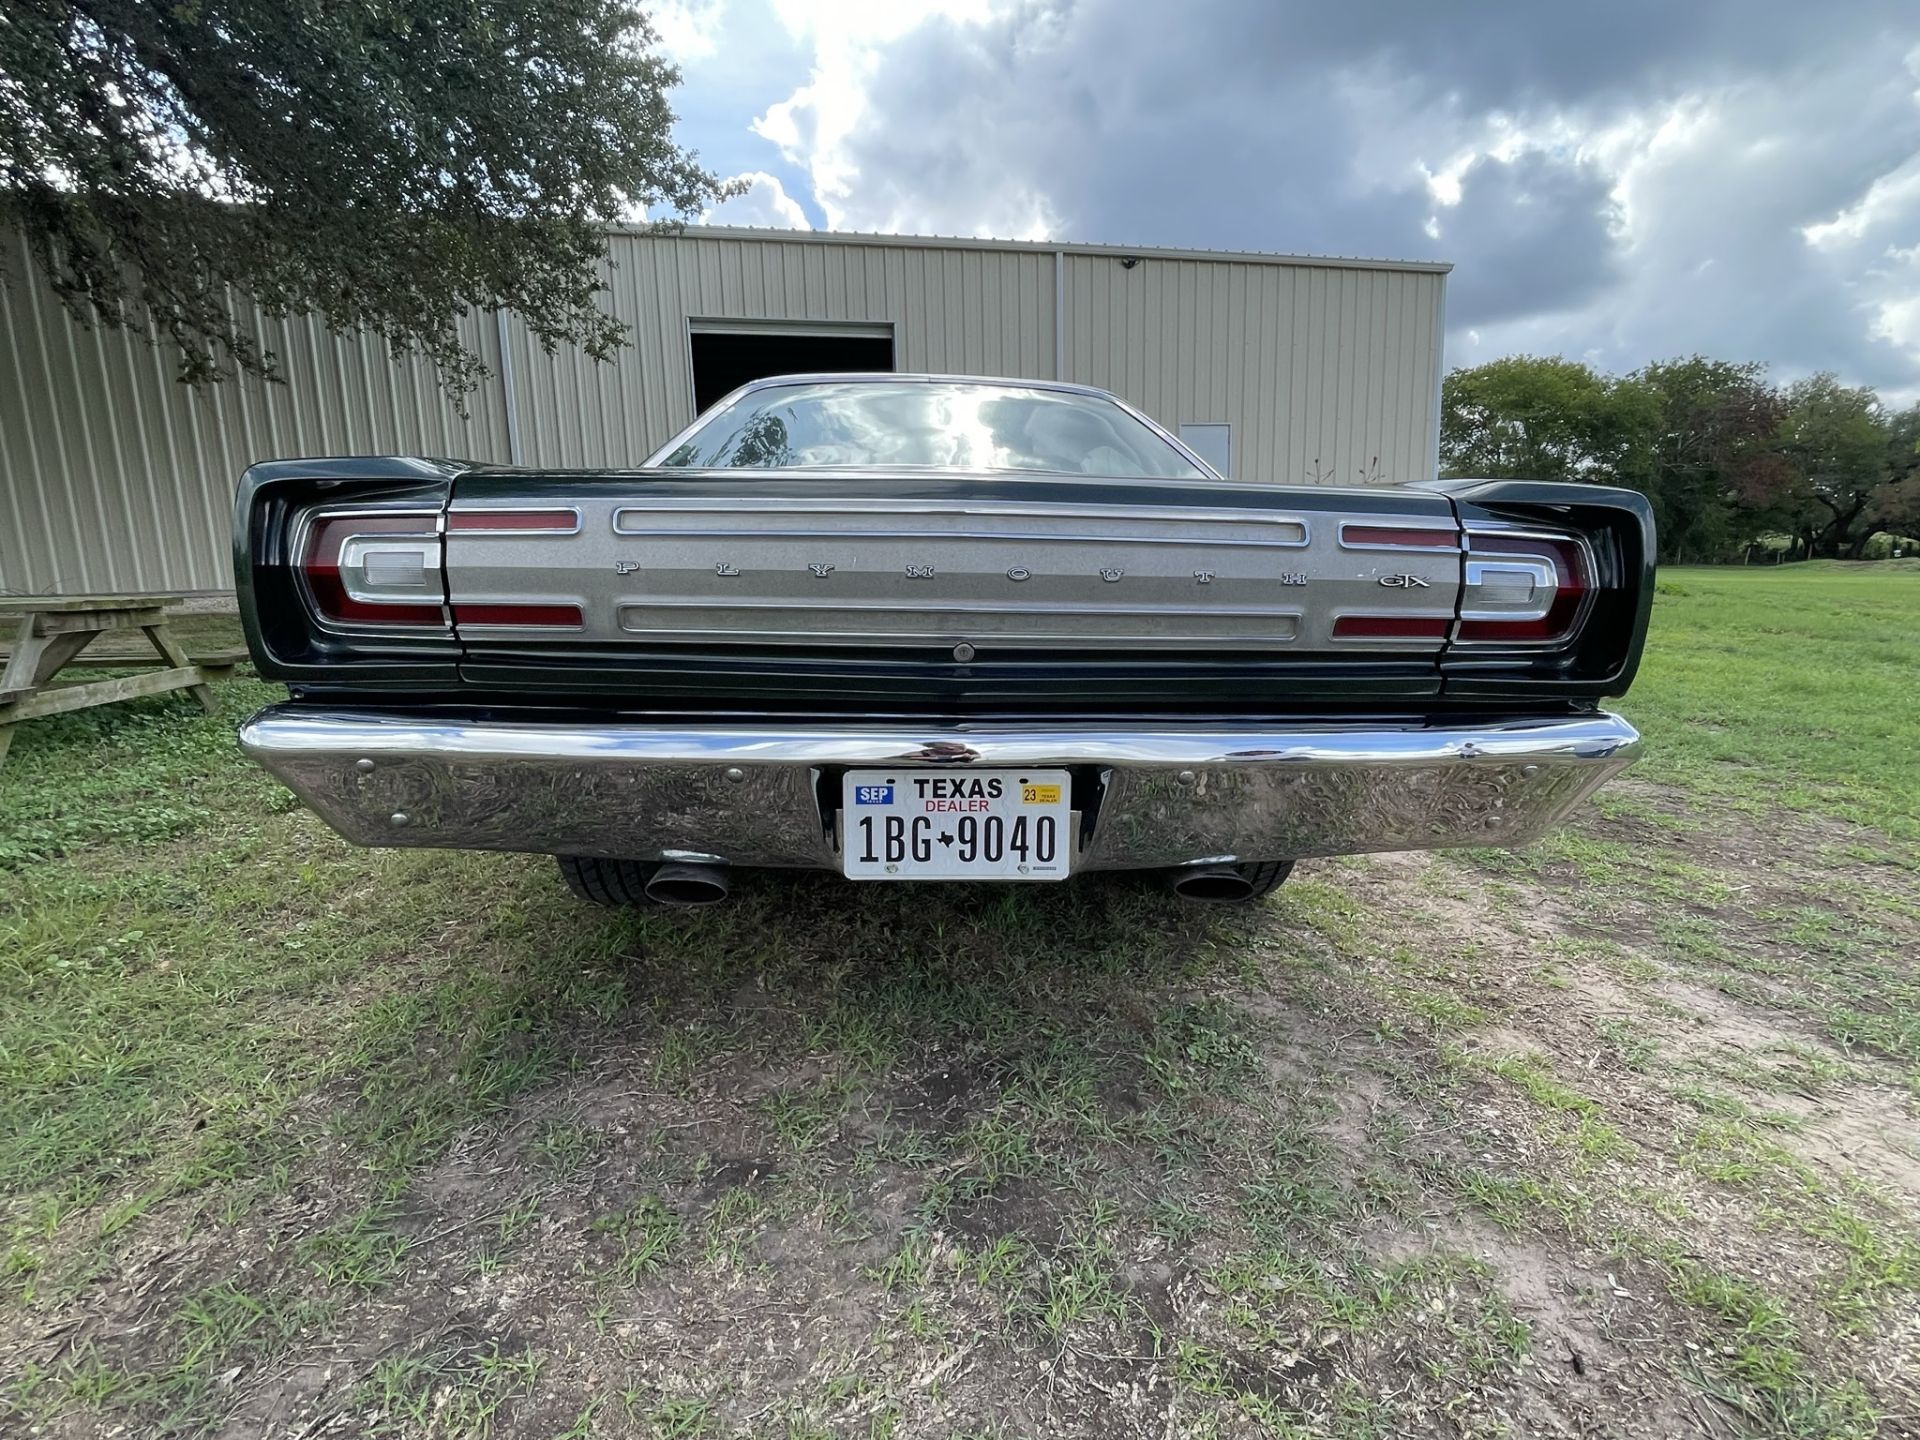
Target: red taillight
[514,522]
[1391,627]
[1397,537]
[498,614]
[1523,588]
[566,617]
[375,569]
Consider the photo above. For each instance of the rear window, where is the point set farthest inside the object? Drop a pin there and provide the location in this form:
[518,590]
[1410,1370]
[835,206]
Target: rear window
[935,425]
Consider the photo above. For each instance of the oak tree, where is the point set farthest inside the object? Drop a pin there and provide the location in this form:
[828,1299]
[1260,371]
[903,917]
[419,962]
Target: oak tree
[1835,438]
[384,164]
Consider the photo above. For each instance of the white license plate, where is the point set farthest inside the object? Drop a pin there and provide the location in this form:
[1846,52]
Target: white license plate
[926,824]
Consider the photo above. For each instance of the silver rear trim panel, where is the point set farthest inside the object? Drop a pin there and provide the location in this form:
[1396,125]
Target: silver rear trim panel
[1004,576]
[1155,795]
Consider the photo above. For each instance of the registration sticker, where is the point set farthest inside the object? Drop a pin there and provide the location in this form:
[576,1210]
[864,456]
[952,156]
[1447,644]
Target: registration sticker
[1039,794]
[873,794]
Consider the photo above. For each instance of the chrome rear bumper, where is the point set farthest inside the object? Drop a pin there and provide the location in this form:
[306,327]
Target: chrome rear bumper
[1153,796]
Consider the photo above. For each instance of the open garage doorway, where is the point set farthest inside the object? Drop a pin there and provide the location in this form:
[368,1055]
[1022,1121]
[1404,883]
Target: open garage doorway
[729,353]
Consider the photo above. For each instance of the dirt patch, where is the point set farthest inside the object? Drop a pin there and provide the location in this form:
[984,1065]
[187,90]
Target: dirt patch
[1870,1133]
[1023,1209]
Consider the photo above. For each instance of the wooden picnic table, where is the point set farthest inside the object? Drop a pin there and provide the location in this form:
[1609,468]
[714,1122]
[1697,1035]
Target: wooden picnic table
[50,631]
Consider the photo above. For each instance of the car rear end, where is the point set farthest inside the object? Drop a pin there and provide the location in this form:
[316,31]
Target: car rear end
[474,665]
[926,673]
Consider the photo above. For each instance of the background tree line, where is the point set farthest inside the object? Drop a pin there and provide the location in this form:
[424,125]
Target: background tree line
[1733,463]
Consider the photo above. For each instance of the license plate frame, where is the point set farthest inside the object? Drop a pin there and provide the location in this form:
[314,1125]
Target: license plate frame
[932,824]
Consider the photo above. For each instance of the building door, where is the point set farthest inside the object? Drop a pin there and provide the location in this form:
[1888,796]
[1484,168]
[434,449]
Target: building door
[1212,442]
[729,353]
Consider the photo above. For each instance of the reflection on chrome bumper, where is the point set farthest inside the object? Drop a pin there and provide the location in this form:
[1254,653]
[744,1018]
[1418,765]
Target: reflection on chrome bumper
[1157,795]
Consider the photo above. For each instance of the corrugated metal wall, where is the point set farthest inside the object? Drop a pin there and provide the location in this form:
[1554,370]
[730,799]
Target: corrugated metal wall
[1327,375]
[968,311]
[114,476]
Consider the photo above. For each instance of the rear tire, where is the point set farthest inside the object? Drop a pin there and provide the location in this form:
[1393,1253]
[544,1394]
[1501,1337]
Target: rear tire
[1265,876]
[600,881]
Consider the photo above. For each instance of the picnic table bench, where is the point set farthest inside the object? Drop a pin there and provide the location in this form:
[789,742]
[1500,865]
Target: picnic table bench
[49,633]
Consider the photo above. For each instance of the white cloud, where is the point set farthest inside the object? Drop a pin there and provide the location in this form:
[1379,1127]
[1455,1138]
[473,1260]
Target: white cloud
[765,202]
[1892,199]
[689,30]
[841,24]
[1754,217]
[1625,183]
[1899,322]
[815,123]
[1894,307]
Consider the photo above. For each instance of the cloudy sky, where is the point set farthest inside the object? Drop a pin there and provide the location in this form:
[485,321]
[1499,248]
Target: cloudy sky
[1616,182]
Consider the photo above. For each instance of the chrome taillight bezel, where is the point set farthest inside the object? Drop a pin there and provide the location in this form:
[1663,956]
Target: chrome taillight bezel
[1560,559]
[341,604]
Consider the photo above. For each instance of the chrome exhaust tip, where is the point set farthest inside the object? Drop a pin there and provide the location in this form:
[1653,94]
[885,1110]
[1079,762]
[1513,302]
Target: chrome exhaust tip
[680,882]
[1209,882]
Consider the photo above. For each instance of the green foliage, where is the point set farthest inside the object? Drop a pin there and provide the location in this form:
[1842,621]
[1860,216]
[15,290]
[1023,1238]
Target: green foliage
[1709,457]
[1731,462]
[1538,418]
[646,1232]
[1837,442]
[1895,506]
[386,165]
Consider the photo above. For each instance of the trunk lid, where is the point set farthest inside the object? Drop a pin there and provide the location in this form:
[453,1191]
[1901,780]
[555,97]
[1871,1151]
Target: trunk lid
[959,594]
[444,582]
[627,579]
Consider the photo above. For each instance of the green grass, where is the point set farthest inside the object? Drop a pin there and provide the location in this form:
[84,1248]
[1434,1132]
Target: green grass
[455,1394]
[1790,686]
[645,1235]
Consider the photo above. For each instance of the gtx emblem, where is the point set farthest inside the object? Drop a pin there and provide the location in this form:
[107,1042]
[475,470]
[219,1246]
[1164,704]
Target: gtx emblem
[820,571]
[1404,582]
[723,568]
[1111,573]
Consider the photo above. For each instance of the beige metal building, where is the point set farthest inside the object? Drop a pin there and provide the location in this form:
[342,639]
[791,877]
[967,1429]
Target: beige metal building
[1276,368]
